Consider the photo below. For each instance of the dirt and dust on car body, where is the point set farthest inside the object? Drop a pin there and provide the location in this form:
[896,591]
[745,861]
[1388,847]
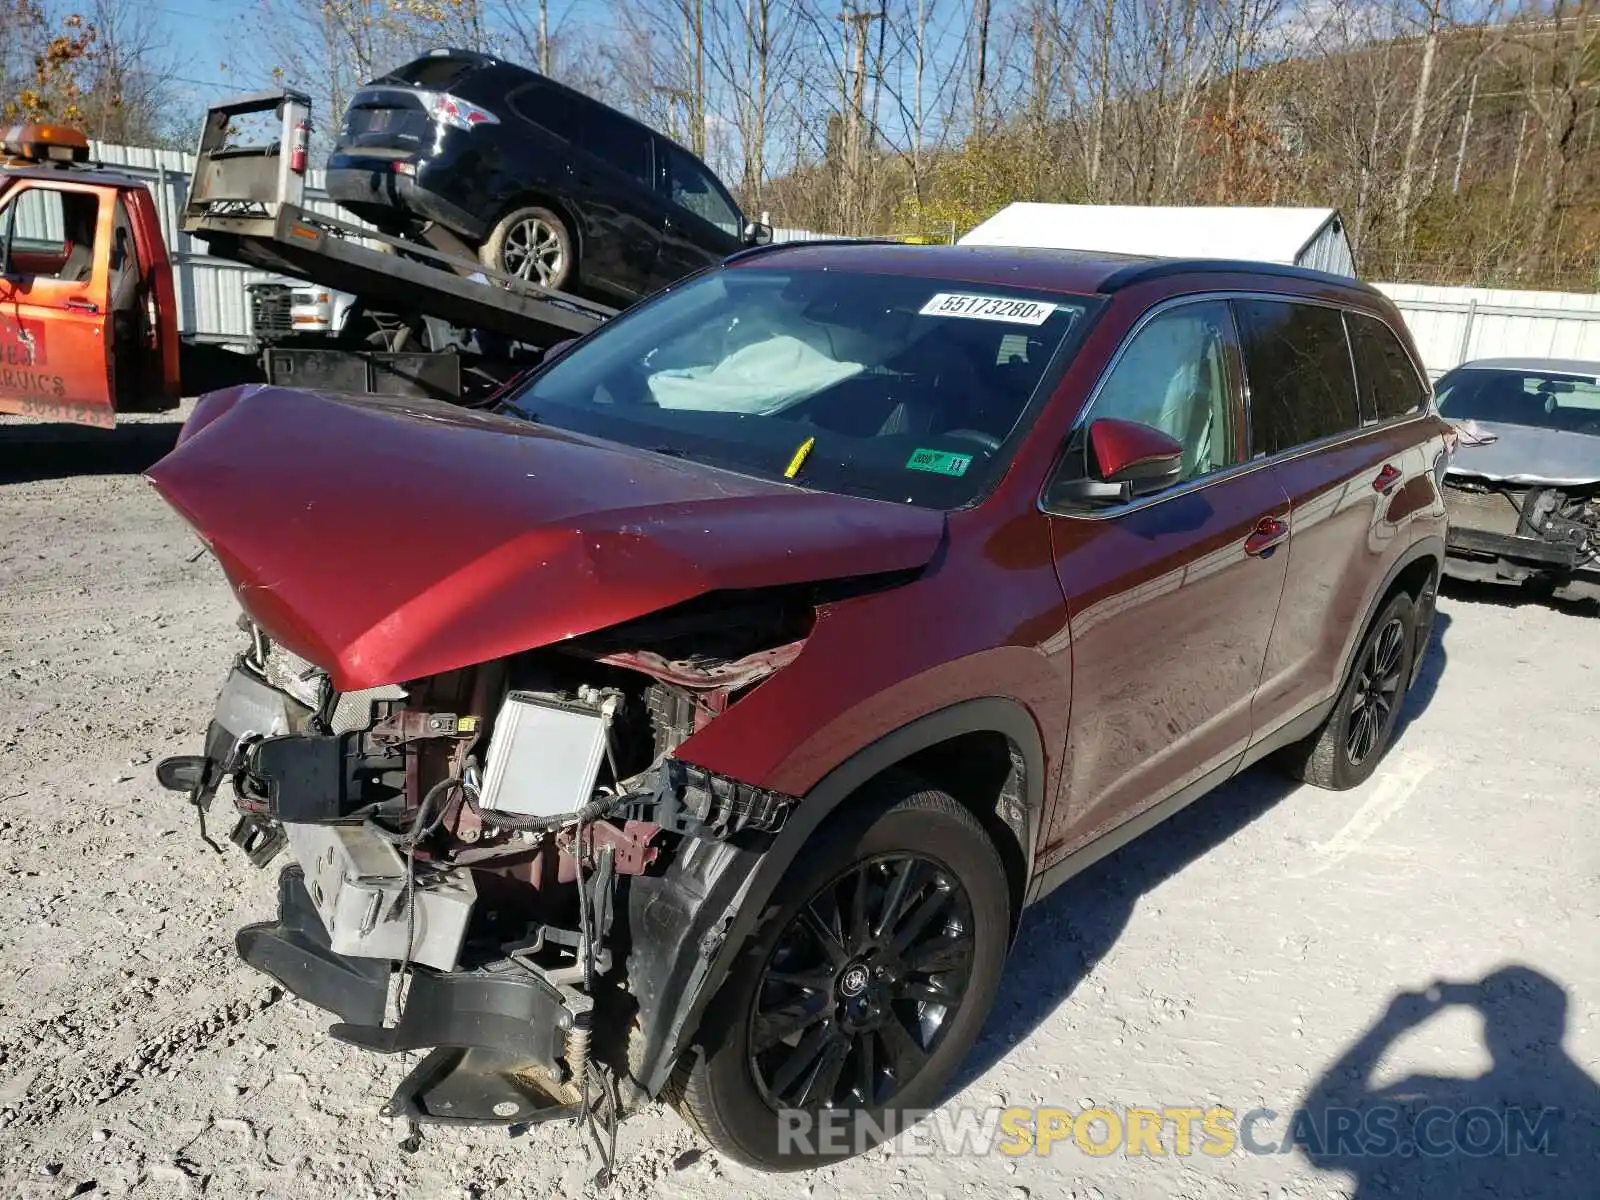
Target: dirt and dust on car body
[697,724]
[1524,482]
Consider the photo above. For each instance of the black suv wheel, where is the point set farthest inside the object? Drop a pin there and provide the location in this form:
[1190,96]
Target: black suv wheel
[531,243]
[862,992]
[1345,750]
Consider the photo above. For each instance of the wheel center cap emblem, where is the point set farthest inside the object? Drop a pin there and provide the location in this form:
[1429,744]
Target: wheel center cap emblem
[854,981]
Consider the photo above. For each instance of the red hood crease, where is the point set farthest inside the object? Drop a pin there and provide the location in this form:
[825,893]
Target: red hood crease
[390,540]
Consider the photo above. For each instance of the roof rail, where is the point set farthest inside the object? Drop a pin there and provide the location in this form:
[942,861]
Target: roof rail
[750,252]
[1163,268]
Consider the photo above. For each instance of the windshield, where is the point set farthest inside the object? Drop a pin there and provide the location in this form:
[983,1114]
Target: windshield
[1543,399]
[887,386]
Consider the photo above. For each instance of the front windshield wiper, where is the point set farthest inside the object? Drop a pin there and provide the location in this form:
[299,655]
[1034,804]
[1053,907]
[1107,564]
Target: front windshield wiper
[669,451]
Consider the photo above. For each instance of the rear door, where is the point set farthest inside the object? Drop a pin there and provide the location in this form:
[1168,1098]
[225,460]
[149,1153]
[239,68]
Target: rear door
[1171,597]
[611,172]
[702,223]
[1347,472]
[55,360]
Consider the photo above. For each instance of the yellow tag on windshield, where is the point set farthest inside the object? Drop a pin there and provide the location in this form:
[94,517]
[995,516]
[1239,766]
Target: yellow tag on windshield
[799,459]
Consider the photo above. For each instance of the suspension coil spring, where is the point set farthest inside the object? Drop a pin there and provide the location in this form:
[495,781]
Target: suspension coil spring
[577,1048]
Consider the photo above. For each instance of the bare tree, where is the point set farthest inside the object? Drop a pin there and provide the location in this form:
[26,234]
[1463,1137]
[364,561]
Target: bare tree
[128,97]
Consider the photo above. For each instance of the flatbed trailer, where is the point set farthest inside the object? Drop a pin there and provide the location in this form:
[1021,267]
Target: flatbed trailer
[247,203]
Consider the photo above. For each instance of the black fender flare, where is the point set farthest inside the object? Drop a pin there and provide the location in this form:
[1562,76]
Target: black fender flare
[1430,547]
[688,926]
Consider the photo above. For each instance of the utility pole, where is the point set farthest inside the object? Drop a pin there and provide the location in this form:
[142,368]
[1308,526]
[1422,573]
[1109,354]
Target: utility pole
[695,34]
[856,23]
[544,37]
[980,78]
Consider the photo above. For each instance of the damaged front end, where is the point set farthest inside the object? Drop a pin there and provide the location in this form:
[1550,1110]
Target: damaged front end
[476,851]
[1524,532]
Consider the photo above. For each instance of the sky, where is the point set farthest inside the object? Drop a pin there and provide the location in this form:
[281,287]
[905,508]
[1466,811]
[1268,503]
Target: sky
[206,34]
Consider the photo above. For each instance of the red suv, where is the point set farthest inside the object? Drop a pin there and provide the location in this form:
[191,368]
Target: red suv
[699,723]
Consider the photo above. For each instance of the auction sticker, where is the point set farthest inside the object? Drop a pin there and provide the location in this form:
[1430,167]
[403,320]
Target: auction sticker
[940,462]
[987,308]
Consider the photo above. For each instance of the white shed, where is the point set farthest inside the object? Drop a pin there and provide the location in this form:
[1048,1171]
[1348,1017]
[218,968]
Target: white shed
[1305,237]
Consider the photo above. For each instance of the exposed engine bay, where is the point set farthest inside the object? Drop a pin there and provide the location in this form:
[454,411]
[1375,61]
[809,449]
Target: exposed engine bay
[1516,532]
[459,845]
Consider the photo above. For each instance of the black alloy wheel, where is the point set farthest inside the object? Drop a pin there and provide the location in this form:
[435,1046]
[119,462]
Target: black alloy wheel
[862,985]
[1379,677]
[862,988]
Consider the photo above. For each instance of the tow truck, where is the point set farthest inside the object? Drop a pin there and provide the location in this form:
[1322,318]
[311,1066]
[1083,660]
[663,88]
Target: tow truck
[88,310]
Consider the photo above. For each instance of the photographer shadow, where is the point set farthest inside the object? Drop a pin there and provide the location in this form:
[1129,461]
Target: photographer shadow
[1529,1126]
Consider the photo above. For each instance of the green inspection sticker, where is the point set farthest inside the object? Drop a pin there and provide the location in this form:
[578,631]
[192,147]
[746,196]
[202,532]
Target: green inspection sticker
[940,462]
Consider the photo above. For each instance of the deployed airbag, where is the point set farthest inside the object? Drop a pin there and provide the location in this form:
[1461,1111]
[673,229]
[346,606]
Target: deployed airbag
[764,377]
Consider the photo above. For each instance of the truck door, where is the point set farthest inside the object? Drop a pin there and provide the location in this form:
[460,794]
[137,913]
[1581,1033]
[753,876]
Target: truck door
[141,308]
[55,360]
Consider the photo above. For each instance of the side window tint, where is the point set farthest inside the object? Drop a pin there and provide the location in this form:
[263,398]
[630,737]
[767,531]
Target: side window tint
[1390,386]
[625,146]
[53,233]
[1297,360]
[547,107]
[1176,375]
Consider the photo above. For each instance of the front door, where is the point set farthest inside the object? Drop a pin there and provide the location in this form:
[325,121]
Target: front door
[55,361]
[702,225]
[1171,598]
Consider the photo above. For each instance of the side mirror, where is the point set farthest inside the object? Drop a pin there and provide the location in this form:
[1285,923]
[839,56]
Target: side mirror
[1125,459]
[757,234]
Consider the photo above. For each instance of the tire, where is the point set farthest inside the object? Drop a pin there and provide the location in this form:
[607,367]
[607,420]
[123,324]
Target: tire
[1345,749]
[733,1097]
[531,243]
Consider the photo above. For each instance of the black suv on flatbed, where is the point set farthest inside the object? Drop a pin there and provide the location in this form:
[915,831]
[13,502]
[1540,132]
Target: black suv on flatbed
[543,181]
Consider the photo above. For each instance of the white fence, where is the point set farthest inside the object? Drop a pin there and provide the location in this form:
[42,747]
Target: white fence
[1452,325]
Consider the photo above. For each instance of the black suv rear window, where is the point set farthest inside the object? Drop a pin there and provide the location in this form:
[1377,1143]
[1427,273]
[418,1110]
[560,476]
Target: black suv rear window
[431,71]
[1302,387]
[1390,386]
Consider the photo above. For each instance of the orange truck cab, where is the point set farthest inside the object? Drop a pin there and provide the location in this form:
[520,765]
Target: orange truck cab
[88,320]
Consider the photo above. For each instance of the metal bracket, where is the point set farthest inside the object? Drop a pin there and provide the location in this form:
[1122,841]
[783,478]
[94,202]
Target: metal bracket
[260,840]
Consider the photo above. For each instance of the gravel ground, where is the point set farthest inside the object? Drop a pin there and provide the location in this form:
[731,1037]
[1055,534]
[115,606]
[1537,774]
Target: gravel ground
[1233,957]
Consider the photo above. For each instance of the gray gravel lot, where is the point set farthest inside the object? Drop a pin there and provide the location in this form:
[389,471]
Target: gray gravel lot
[1255,952]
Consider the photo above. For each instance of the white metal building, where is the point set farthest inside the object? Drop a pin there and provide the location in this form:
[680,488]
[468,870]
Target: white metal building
[1306,237]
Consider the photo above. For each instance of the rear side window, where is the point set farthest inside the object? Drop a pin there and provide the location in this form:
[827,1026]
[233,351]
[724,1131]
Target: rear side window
[549,108]
[1389,383]
[1297,360]
[436,72]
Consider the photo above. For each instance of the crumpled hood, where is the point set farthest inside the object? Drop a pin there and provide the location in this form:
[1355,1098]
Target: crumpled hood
[1524,454]
[389,540]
